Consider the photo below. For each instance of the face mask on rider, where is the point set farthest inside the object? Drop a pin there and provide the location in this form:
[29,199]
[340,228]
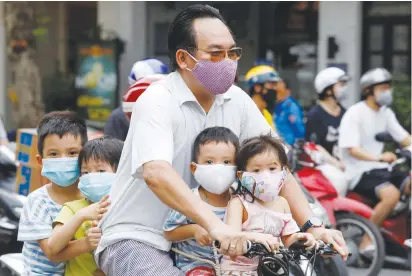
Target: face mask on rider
[217,77]
[265,186]
[215,179]
[384,98]
[270,99]
[340,92]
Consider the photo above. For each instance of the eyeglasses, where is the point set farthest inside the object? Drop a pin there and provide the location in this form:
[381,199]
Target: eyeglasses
[218,55]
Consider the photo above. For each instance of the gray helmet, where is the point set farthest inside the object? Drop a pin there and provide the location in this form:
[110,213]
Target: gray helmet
[375,76]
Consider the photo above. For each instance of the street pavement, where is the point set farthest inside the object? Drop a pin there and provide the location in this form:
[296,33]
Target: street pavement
[384,272]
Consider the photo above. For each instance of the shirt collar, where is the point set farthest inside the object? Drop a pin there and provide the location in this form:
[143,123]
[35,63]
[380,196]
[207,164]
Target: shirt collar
[184,94]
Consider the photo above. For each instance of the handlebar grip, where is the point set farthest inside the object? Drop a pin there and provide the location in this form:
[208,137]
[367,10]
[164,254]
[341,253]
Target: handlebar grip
[248,245]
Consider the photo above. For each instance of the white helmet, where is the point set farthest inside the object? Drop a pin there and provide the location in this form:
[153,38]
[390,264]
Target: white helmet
[375,76]
[329,76]
[145,68]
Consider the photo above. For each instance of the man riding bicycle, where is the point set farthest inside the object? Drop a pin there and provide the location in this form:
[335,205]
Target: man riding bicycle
[365,162]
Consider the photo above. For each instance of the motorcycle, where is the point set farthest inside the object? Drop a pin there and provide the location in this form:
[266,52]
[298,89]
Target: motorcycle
[11,204]
[324,266]
[8,167]
[349,216]
[396,230]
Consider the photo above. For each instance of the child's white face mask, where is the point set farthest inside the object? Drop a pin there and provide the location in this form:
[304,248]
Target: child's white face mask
[266,185]
[215,179]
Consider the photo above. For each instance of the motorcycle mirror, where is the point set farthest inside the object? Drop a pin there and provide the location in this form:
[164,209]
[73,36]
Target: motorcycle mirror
[383,137]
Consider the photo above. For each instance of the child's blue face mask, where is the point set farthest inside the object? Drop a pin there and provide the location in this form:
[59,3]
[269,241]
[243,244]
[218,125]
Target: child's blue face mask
[94,186]
[61,171]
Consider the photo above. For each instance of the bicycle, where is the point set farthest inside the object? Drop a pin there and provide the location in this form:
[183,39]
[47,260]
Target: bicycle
[287,261]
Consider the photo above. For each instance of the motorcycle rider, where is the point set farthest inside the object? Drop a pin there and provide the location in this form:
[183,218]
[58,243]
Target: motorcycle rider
[323,121]
[117,124]
[366,165]
[137,89]
[262,82]
[288,115]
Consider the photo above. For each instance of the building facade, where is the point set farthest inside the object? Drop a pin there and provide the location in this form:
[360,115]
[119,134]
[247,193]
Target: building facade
[299,38]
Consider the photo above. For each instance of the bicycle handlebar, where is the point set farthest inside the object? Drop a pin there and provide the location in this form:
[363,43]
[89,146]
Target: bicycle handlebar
[258,249]
[298,248]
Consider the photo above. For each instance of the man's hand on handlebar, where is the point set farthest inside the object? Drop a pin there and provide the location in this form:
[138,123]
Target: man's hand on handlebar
[231,243]
[333,237]
[308,240]
[388,157]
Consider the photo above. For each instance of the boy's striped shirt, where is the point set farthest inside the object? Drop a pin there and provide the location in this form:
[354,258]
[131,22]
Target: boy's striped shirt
[190,246]
[36,220]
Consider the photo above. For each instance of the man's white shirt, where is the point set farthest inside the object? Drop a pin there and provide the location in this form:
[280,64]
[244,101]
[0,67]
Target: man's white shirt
[166,119]
[358,128]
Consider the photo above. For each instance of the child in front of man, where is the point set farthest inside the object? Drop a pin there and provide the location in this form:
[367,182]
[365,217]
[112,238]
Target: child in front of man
[213,167]
[61,136]
[256,205]
[98,161]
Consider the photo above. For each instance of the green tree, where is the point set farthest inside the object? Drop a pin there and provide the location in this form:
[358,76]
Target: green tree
[402,101]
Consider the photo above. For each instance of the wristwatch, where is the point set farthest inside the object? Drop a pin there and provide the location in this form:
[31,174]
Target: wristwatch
[312,222]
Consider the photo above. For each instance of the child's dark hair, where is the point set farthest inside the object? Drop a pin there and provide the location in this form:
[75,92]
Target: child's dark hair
[214,134]
[107,149]
[257,145]
[60,123]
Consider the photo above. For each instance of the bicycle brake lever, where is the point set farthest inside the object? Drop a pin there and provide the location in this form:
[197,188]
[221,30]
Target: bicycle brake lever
[327,249]
[217,244]
[256,249]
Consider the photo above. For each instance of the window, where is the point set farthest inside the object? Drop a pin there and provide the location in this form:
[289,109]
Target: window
[387,37]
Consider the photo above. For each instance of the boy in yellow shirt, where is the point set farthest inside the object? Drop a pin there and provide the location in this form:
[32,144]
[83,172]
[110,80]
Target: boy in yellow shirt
[98,161]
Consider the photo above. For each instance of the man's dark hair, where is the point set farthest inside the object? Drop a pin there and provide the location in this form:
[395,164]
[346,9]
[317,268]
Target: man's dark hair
[181,35]
[214,134]
[107,149]
[60,123]
[257,145]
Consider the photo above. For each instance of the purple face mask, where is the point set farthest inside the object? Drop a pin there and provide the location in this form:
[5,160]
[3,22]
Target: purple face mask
[217,77]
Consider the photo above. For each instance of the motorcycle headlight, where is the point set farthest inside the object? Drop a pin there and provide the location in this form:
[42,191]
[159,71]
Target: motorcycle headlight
[321,213]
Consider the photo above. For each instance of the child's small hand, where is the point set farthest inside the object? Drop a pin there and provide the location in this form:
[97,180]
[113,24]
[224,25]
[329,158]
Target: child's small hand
[309,238]
[96,210]
[93,237]
[269,241]
[202,237]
